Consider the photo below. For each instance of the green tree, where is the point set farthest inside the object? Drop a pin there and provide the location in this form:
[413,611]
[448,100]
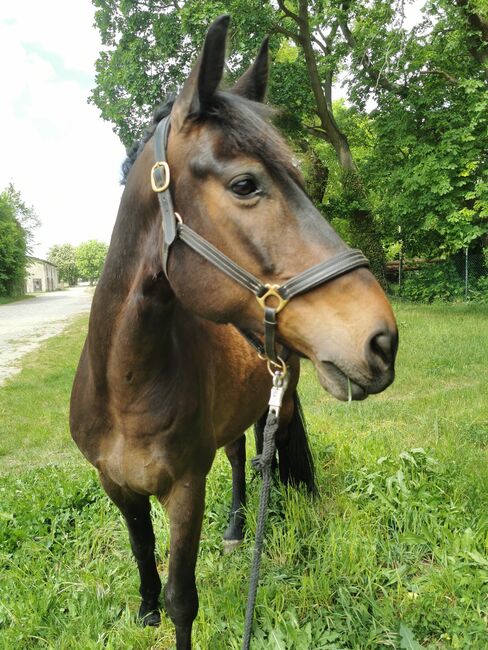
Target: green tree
[90,257]
[150,45]
[417,93]
[25,214]
[17,222]
[428,162]
[64,256]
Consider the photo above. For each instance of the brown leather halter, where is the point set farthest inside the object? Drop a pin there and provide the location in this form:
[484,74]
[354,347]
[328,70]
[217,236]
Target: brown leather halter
[174,228]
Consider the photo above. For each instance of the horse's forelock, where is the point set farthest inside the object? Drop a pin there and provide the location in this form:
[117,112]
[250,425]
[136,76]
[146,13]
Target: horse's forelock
[245,128]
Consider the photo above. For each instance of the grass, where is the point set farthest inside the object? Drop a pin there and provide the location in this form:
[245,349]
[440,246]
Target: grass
[393,554]
[6,300]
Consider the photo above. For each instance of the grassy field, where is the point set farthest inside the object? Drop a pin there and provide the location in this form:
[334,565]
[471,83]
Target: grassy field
[393,553]
[5,300]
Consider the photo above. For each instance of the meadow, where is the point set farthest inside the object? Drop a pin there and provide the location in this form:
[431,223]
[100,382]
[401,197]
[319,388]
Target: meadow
[393,554]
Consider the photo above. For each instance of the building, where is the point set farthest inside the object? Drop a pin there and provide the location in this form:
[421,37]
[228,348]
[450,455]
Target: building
[40,276]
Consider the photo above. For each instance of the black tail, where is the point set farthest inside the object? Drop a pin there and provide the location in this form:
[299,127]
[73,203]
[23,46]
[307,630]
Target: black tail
[295,457]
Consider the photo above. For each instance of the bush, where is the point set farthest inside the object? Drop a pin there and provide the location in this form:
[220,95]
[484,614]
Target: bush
[439,281]
[480,291]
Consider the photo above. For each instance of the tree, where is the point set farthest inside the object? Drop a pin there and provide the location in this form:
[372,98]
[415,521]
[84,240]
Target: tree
[64,256]
[417,94]
[17,221]
[25,214]
[142,37]
[428,167]
[90,257]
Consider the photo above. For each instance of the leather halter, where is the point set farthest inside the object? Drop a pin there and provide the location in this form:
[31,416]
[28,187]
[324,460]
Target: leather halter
[174,228]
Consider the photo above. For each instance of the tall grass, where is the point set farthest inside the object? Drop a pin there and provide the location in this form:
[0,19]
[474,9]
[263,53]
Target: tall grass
[392,554]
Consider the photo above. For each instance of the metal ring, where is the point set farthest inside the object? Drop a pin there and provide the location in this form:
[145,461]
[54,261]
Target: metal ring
[281,366]
[272,292]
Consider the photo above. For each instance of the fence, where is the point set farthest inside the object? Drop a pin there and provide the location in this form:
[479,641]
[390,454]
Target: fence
[461,277]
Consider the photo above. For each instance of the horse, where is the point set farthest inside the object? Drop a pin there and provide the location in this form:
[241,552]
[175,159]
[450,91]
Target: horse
[166,377]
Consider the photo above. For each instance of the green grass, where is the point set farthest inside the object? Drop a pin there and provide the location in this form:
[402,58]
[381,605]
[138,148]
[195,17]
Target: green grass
[5,300]
[393,553]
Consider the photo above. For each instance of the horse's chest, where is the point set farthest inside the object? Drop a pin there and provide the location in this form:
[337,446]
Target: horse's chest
[148,449]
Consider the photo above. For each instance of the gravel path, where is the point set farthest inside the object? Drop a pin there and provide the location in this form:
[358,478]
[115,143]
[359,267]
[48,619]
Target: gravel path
[24,324]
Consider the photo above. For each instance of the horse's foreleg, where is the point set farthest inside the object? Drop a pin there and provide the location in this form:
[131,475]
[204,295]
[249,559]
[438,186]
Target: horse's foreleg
[137,513]
[236,453]
[185,507]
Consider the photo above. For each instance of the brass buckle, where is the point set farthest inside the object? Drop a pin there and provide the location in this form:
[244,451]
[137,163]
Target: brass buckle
[164,165]
[272,292]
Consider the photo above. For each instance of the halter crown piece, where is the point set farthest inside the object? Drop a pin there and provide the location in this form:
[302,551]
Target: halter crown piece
[277,295]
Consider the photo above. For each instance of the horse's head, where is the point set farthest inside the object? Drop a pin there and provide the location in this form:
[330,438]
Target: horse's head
[234,182]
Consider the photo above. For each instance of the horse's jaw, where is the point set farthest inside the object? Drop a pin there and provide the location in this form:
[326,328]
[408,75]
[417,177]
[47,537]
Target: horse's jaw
[346,385]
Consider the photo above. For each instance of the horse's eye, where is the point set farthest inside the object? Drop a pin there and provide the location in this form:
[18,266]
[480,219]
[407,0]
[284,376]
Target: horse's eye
[244,187]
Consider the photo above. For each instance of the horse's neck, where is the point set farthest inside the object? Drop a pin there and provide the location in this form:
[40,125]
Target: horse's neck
[132,290]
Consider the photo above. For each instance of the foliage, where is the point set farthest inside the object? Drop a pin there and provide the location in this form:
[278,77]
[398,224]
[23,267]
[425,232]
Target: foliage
[428,167]
[64,256]
[90,258]
[17,221]
[479,293]
[392,554]
[438,281]
[25,214]
[411,143]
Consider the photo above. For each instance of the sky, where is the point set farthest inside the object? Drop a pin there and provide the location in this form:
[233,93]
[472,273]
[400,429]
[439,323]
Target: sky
[55,148]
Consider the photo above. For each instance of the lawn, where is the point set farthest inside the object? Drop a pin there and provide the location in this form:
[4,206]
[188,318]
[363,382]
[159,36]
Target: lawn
[393,553]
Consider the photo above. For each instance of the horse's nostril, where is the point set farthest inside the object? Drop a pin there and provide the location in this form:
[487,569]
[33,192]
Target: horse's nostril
[383,346]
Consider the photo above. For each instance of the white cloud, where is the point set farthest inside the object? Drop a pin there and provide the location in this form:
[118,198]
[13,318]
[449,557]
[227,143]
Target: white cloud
[56,149]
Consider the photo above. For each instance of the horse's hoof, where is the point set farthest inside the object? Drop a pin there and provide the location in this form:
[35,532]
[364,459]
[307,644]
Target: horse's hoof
[150,619]
[230,545]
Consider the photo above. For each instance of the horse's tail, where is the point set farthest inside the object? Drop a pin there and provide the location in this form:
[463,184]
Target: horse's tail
[295,460]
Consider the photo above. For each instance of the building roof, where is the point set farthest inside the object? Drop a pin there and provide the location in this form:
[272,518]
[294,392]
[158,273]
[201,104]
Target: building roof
[38,259]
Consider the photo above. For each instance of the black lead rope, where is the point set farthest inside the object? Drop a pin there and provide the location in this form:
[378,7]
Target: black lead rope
[264,463]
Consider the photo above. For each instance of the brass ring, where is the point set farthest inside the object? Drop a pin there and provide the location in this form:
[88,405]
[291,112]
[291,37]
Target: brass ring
[272,292]
[281,366]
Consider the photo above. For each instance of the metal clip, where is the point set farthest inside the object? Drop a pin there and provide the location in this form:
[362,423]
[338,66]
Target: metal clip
[280,384]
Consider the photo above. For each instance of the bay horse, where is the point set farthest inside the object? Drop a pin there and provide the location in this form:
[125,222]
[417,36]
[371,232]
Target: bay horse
[165,377]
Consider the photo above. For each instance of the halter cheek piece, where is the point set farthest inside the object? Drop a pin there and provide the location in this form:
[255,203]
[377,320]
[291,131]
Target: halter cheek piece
[272,298]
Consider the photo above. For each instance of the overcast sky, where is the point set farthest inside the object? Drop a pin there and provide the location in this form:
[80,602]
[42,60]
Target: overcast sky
[61,156]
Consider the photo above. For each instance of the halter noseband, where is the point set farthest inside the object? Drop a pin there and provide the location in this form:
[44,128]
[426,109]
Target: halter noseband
[174,228]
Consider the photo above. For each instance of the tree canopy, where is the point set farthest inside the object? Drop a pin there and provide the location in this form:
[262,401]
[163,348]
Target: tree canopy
[90,258]
[17,223]
[406,147]
[64,256]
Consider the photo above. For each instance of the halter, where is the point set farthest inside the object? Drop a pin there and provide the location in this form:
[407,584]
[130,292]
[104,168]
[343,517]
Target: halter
[277,295]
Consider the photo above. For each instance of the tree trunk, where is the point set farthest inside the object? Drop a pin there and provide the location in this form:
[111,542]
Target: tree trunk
[366,235]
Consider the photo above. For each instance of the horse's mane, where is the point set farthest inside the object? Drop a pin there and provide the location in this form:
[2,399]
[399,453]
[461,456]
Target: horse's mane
[161,111]
[245,128]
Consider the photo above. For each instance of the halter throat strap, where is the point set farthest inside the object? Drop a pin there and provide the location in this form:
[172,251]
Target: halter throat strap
[272,298]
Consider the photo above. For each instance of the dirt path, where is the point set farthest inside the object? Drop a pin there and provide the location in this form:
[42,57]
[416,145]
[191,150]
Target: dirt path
[24,324]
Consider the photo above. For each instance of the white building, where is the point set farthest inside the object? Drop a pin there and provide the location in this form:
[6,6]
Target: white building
[40,276]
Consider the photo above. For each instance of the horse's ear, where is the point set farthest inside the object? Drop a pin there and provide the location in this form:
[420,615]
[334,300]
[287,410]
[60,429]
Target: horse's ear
[254,81]
[205,76]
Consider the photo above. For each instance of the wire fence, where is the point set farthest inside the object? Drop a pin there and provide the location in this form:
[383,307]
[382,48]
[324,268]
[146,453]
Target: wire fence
[460,277]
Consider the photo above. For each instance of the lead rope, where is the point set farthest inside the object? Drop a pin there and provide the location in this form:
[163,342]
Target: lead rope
[263,462]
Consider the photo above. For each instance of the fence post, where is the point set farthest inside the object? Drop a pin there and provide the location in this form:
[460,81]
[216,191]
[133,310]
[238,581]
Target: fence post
[400,261]
[465,274]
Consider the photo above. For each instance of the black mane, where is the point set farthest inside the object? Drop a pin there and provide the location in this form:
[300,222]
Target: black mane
[161,111]
[245,128]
